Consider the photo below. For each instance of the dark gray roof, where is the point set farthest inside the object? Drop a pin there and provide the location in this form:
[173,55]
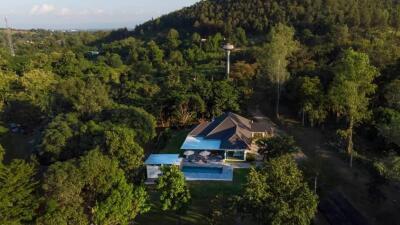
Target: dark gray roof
[263,126]
[233,130]
[199,129]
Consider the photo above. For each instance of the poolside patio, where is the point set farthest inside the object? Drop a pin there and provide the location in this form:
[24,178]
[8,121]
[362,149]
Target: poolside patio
[213,157]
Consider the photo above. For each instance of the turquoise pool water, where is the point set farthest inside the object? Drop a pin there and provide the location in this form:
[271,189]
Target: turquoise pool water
[192,169]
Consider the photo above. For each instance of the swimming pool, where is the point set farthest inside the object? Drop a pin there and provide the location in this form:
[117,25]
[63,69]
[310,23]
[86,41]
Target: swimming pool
[193,169]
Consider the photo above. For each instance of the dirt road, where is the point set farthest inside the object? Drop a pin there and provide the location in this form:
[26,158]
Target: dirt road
[337,176]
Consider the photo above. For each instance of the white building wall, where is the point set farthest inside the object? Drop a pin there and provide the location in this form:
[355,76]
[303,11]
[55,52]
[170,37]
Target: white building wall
[153,171]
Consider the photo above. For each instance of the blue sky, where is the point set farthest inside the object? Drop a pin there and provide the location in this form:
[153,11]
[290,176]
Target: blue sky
[85,14]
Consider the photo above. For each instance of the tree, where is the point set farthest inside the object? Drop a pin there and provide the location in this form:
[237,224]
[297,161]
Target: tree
[155,53]
[240,36]
[18,201]
[174,193]
[142,122]
[176,58]
[224,98]
[213,43]
[276,146]
[85,97]
[114,60]
[392,94]
[350,92]
[396,18]
[91,190]
[117,201]
[173,41]
[278,194]
[389,167]
[2,153]
[62,187]
[221,210]
[6,82]
[196,38]
[58,141]
[312,102]
[187,108]
[38,86]
[120,144]
[273,57]
[389,125]
[243,71]
[67,65]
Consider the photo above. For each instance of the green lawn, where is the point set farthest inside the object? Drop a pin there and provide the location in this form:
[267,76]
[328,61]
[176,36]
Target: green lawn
[175,142]
[202,193]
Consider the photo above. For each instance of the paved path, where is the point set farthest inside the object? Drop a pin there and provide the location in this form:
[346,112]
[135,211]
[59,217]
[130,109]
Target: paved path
[245,165]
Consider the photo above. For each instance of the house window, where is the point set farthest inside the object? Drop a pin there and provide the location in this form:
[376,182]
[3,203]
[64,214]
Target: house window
[235,155]
[258,135]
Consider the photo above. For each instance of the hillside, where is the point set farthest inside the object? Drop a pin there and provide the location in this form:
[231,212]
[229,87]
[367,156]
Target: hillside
[81,111]
[257,16]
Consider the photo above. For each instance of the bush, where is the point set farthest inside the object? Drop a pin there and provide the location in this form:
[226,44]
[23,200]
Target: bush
[250,157]
[3,129]
[277,146]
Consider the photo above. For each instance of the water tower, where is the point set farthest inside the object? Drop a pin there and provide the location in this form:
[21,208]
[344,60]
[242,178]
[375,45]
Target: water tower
[228,48]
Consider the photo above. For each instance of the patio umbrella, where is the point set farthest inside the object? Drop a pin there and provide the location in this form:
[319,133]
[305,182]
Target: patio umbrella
[205,153]
[188,153]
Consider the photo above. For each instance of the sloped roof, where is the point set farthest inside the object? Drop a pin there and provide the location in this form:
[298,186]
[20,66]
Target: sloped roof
[233,130]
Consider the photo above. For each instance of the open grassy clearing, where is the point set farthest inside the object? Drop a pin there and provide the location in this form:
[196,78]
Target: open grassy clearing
[336,175]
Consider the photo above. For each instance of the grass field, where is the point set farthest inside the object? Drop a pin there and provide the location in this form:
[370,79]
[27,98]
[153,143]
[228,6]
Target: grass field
[202,193]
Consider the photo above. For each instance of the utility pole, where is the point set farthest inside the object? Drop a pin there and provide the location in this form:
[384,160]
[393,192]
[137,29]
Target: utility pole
[9,37]
[228,48]
[316,183]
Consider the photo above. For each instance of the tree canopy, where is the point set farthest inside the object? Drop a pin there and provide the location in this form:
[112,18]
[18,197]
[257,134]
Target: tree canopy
[174,193]
[273,57]
[18,201]
[351,91]
[278,194]
[92,189]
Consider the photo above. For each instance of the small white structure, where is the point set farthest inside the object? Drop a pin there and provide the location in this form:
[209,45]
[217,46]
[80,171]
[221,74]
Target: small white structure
[155,161]
[228,48]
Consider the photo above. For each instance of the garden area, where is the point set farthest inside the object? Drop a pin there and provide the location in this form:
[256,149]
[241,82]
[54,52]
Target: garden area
[202,195]
[202,192]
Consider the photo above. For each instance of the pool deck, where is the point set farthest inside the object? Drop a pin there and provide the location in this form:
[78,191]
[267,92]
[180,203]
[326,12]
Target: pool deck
[226,175]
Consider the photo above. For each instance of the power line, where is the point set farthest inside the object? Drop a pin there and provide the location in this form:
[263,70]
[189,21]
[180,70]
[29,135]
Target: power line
[9,37]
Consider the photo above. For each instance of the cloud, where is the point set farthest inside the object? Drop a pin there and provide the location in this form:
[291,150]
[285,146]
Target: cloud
[87,12]
[47,9]
[99,11]
[64,12]
[42,9]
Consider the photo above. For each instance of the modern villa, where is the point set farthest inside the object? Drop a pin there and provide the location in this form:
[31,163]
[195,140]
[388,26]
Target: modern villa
[210,148]
[228,136]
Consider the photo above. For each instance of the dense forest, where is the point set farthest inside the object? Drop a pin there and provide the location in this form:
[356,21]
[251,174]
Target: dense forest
[86,106]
